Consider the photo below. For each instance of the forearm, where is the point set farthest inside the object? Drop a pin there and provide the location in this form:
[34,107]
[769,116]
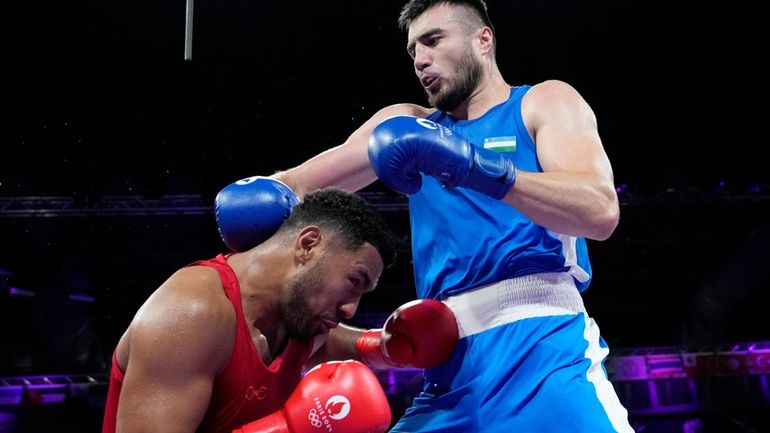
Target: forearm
[576,204]
[340,345]
[342,341]
[345,166]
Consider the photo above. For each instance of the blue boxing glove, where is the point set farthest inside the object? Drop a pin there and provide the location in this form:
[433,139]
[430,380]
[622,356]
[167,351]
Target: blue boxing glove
[251,210]
[402,147]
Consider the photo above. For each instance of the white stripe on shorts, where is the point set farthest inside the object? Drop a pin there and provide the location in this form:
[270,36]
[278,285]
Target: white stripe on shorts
[605,392]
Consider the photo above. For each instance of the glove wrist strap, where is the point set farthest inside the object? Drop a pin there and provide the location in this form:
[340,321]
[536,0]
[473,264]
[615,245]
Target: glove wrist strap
[493,174]
[369,350]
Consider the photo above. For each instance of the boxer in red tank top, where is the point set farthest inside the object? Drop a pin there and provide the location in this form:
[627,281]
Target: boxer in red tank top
[224,341]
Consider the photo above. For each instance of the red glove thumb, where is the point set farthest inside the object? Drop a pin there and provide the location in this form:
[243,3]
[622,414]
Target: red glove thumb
[420,333]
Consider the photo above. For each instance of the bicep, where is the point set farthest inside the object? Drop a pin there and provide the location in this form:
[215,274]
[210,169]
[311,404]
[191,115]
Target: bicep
[178,342]
[156,398]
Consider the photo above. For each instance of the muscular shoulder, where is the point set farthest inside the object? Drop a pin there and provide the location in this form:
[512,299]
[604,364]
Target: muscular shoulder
[404,109]
[188,313]
[550,93]
[191,291]
[553,101]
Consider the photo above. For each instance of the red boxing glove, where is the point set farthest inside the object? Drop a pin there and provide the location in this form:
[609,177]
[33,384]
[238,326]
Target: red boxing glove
[420,334]
[336,396]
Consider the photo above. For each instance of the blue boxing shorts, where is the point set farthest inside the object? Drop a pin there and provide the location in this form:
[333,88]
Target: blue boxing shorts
[529,359]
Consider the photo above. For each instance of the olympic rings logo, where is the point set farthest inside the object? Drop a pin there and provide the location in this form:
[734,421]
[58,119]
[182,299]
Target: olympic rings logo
[260,392]
[315,419]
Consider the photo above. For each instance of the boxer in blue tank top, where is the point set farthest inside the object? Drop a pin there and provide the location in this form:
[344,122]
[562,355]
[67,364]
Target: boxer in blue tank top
[497,240]
[531,358]
[505,184]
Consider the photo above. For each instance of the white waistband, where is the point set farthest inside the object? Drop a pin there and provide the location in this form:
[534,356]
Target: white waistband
[538,295]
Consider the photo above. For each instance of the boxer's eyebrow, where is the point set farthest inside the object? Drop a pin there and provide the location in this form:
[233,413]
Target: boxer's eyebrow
[423,38]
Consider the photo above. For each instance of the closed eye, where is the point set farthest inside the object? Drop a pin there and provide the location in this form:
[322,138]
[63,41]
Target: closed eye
[428,39]
[431,41]
[361,281]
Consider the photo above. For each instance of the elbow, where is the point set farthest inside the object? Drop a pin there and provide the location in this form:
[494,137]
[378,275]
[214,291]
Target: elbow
[606,222]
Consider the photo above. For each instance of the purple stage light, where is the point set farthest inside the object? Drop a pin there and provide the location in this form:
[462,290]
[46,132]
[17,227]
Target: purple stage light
[7,418]
[720,186]
[15,291]
[79,297]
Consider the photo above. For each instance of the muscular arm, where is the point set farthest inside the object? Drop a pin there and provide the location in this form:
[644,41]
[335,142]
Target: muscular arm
[174,347]
[575,195]
[340,344]
[347,165]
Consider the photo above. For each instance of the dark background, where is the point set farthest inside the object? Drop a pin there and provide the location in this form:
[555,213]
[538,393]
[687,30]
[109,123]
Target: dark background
[99,105]
[97,98]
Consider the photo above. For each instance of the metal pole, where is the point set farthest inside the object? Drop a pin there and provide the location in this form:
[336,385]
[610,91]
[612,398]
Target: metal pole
[188,31]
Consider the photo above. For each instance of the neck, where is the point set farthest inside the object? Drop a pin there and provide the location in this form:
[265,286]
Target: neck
[257,273]
[492,90]
[260,278]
